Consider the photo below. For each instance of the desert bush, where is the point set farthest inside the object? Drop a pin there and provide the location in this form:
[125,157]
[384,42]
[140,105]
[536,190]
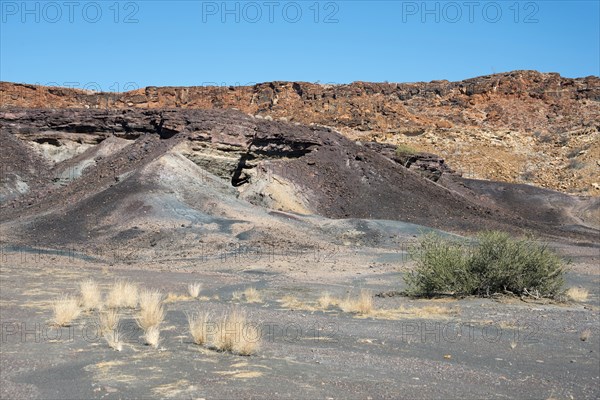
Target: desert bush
[66,309]
[442,267]
[497,263]
[122,294]
[90,295]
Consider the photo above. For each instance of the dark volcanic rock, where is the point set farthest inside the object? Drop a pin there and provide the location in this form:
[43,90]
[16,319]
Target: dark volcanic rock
[339,178]
[429,165]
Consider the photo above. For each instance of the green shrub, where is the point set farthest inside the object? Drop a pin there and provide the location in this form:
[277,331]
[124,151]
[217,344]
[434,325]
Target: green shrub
[496,263]
[441,267]
[405,150]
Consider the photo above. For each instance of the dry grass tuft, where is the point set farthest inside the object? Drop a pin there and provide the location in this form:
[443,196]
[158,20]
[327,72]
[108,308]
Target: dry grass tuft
[66,309]
[513,344]
[236,296]
[198,324]
[152,336]
[325,301]
[113,338]
[585,335]
[426,312]
[250,341]
[150,298]
[362,305]
[90,295]
[252,295]
[122,294]
[577,294]
[194,289]
[228,330]
[293,303]
[236,335]
[174,298]
[430,311]
[109,320]
[151,315]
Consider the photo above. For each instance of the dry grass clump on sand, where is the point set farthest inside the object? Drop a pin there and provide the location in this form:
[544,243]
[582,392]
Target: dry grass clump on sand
[150,298]
[66,309]
[425,312]
[577,294]
[175,298]
[235,334]
[108,320]
[251,295]
[90,296]
[151,315]
[293,303]
[431,311]
[198,324]
[585,335]
[122,294]
[362,305]
[194,289]
[152,312]
[113,339]
[325,301]
[152,336]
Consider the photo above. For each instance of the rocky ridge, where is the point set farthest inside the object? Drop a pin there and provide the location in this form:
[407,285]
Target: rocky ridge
[520,127]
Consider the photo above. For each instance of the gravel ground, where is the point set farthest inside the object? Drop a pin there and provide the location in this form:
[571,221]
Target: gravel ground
[472,348]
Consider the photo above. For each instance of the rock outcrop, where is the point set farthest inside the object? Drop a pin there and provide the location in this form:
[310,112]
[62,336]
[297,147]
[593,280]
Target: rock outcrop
[146,162]
[522,126]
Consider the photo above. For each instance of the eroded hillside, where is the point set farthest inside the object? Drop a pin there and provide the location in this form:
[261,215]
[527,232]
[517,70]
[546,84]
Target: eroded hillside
[520,127]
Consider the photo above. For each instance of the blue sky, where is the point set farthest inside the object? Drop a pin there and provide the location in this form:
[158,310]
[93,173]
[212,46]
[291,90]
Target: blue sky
[116,46]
